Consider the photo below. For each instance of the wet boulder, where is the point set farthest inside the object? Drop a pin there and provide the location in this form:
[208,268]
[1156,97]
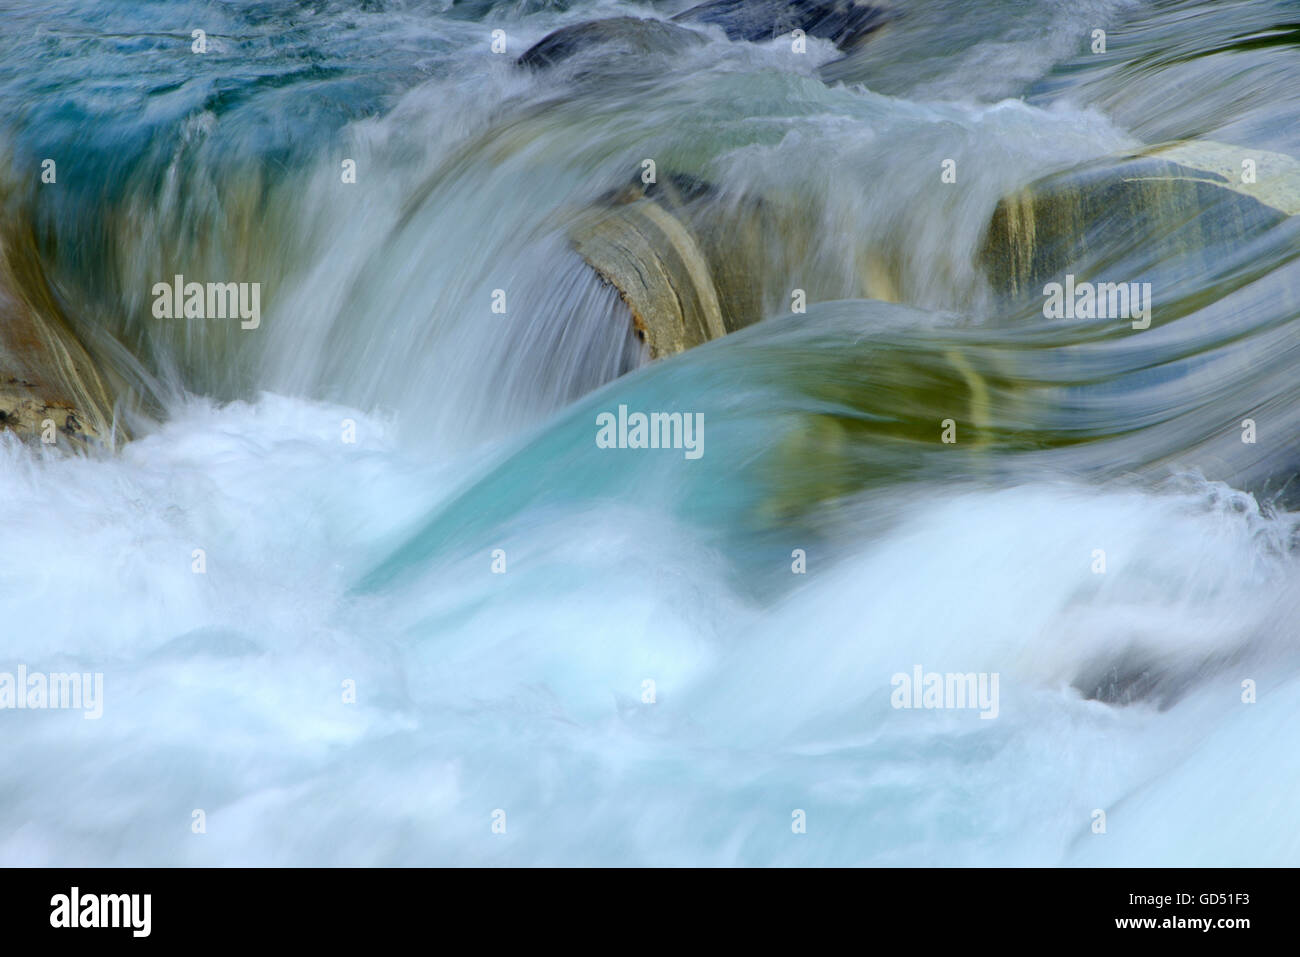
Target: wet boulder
[691,264]
[1204,226]
[694,262]
[1175,210]
[644,247]
[615,36]
[481,9]
[846,23]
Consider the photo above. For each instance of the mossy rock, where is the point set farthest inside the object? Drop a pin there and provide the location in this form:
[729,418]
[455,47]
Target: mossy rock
[1185,201]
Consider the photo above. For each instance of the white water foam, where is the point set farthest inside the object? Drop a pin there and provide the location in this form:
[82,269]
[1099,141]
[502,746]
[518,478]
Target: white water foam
[524,691]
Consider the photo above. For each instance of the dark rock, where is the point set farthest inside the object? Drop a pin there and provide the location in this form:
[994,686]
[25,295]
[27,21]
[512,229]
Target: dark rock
[846,23]
[481,9]
[627,35]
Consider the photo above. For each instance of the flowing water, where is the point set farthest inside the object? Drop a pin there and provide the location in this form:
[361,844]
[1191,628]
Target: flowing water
[399,495]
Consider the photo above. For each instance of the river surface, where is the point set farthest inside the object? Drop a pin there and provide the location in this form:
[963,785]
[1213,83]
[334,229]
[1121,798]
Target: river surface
[436,623]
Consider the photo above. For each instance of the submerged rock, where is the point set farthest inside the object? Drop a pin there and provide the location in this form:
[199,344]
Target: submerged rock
[846,23]
[1205,232]
[693,262]
[626,35]
[1186,200]
[690,264]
